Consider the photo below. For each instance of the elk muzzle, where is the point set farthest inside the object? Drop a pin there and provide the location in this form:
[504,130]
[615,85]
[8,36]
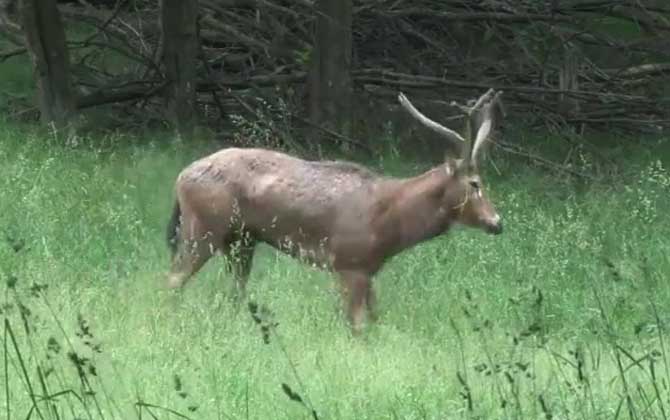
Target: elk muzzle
[494,225]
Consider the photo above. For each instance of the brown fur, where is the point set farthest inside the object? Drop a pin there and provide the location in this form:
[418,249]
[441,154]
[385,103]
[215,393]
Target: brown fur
[337,215]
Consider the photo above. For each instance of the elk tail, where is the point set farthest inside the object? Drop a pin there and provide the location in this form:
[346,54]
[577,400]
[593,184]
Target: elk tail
[173,228]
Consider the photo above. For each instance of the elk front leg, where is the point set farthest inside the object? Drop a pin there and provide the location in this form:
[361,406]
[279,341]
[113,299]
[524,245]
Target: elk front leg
[371,303]
[357,290]
[240,256]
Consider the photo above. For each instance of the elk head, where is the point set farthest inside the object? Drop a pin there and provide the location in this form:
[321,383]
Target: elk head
[464,192]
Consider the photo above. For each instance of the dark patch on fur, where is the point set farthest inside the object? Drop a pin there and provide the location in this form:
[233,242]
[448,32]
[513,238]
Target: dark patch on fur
[215,174]
[173,227]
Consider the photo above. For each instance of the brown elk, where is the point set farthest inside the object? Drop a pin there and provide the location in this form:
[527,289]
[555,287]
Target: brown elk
[338,215]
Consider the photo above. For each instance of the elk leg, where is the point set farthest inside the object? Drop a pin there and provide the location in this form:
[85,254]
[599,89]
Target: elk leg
[371,303]
[239,261]
[356,291]
[191,254]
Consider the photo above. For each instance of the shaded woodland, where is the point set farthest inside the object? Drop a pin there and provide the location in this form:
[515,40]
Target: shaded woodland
[332,69]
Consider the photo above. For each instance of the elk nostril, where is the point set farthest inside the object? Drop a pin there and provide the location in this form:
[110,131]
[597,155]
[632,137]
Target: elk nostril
[495,228]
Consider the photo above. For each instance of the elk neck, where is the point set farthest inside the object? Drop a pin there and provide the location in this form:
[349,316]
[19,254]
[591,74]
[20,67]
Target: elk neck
[413,210]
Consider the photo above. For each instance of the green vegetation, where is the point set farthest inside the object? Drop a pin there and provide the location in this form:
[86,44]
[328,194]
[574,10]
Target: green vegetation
[565,315]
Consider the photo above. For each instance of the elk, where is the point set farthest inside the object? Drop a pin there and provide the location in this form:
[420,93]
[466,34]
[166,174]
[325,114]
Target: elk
[335,214]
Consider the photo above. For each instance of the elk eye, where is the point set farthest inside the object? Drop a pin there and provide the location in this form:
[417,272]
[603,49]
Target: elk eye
[474,184]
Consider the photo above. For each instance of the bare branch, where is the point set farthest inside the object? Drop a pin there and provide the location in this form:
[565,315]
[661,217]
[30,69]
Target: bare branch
[236,34]
[259,80]
[475,16]
[516,150]
[644,70]
[4,55]
[104,96]
[392,78]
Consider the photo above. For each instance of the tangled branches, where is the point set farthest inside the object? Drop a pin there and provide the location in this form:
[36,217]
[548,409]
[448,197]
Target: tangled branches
[590,62]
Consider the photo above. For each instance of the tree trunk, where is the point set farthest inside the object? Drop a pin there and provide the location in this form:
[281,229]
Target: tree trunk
[45,41]
[180,51]
[568,80]
[331,87]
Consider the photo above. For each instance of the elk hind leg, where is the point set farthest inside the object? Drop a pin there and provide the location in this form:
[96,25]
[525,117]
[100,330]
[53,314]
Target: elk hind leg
[194,249]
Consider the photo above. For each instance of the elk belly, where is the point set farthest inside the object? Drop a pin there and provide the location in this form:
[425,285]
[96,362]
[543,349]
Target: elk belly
[315,253]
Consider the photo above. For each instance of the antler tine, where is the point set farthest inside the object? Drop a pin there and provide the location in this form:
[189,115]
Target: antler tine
[438,128]
[501,106]
[463,108]
[470,111]
[487,124]
[480,102]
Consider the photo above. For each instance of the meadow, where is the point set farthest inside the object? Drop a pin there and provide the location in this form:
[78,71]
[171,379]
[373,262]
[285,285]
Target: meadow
[563,316]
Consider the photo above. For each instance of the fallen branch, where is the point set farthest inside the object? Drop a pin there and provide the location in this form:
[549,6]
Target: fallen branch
[401,79]
[4,55]
[102,97]
[261,80]
[516,150]
[643,70]
[474,16]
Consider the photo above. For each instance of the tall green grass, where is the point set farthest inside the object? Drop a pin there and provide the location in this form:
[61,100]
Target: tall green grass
[565,315]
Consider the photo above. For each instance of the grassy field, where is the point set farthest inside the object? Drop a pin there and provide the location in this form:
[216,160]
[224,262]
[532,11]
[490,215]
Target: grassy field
[564,316]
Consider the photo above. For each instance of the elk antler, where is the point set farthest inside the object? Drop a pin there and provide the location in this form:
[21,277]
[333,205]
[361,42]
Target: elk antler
[482,110]
[438,128]
[485,127]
